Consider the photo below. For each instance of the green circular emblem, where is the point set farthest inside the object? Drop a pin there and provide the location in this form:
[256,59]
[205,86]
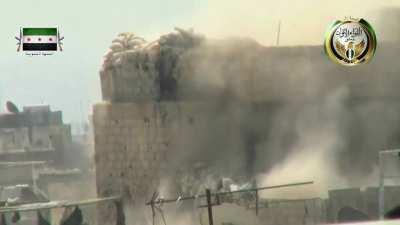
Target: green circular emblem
[350,42]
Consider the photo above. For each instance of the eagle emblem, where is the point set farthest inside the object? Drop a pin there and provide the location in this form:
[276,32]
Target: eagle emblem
[351,51]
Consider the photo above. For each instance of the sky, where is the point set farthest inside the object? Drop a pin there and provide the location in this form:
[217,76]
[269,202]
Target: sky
[69,80]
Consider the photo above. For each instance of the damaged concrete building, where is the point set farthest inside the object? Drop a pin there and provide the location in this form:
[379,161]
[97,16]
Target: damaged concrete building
[183,110]
[32,139]
[36,149]
[35,134]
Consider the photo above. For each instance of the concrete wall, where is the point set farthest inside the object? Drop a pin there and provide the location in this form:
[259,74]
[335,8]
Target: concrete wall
[365,201]
[296,212]
[321,211]
[13,139]
[16,175]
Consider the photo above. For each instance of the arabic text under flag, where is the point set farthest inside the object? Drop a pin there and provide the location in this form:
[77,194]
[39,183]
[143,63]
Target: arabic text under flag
[39,39]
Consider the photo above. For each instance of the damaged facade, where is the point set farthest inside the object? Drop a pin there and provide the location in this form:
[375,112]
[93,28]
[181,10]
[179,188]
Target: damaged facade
[183,105]
[38,157]
[35,134]
[30,141]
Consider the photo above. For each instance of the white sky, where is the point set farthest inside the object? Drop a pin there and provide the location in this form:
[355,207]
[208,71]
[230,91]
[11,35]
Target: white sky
[70,79]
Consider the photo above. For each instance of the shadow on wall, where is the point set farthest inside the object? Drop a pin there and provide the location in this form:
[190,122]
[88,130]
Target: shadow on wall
[349,214]
[393,213]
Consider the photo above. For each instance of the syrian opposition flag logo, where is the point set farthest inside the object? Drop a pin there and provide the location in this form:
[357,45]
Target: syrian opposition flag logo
[39,39]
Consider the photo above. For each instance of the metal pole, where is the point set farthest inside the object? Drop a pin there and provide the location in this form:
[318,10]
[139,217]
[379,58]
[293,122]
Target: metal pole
[120,212]
[34,184]
[256,202]
[209,206]
[381,188]
[278,34]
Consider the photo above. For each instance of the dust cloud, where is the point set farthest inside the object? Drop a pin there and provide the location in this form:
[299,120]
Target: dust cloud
[302,22]
[306,124]
[274,115]
[255,115]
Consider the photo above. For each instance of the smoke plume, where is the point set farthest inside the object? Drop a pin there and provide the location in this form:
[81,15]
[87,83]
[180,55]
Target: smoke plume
[250,112]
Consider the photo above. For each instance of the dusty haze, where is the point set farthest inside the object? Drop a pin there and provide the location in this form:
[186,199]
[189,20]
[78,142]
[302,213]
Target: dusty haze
[303,22]
[279,115]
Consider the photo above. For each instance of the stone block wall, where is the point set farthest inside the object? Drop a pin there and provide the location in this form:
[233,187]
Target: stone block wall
[131,142]
[137,144]
[128,149]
